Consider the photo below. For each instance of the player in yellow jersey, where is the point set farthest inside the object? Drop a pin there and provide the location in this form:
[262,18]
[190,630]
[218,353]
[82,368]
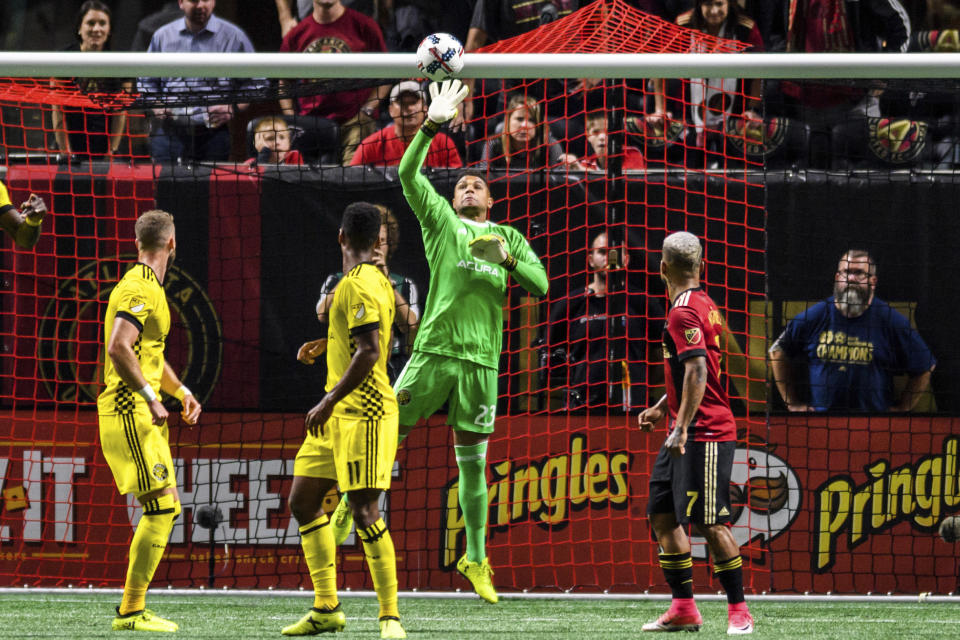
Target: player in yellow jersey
[23,225]
[351,433]
[133,422]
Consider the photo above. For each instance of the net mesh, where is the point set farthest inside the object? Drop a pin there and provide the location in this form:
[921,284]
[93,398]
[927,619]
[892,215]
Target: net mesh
[595,184]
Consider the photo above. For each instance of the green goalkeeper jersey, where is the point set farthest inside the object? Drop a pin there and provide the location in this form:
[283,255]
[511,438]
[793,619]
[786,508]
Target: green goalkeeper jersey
[463,317]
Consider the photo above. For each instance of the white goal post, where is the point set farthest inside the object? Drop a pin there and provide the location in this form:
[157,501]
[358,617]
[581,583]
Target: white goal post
[485,65]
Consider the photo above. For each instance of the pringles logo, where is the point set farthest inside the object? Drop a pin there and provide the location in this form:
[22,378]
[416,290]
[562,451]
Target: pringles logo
[543,491]
[920,493]
[764,493]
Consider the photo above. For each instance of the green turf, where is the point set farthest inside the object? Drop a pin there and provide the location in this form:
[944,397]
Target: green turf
[88,615]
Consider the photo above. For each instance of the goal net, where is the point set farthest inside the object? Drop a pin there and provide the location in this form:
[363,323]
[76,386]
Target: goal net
[594,173]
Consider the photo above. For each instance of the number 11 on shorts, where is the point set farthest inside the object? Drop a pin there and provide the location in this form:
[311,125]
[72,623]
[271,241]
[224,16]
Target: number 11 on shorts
[353,469]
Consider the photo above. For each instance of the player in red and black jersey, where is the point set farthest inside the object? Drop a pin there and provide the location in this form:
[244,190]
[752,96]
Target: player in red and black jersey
[690,480]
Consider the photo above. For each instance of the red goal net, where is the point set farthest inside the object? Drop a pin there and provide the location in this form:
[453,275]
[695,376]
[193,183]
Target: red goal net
[595,173]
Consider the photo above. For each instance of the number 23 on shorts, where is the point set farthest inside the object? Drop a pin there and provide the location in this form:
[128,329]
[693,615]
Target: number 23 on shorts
[487,415]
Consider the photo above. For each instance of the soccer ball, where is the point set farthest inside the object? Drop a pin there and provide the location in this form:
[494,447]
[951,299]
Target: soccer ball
[950,529]
[440,56]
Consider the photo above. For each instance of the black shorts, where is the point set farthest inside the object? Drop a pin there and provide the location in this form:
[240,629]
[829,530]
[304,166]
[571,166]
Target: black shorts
[695,486]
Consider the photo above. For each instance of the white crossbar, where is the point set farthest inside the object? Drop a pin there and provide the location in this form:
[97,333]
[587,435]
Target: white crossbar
[533,65]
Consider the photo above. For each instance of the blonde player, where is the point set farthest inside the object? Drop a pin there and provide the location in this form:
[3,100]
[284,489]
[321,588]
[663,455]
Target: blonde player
[351,433]
[133,422]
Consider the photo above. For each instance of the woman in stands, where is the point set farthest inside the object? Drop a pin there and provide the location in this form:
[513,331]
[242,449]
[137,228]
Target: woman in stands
[524,141]
[86,132]
[709,102]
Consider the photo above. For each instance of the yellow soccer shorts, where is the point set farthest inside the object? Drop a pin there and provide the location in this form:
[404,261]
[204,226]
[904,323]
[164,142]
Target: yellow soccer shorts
[357,452]
[137,451]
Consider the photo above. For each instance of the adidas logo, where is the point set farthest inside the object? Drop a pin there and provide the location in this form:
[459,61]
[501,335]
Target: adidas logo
[724,511]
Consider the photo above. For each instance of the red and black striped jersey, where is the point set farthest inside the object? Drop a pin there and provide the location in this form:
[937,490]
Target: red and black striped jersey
[693,329]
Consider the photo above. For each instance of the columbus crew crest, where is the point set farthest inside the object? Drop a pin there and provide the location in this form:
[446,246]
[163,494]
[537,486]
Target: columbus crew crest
[159,472]
[70,330]
[403,397]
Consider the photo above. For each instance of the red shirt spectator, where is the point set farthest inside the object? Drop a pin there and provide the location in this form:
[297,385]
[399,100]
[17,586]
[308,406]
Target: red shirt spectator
[386,146]
[352,32]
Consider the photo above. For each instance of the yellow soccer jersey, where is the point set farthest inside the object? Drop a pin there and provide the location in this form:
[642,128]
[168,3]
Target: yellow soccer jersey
[363,301]
[5,201]
[140,299]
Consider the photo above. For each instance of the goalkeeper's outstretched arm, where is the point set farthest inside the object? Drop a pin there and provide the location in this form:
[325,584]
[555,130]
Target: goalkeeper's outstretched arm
[444,100]
[420,194]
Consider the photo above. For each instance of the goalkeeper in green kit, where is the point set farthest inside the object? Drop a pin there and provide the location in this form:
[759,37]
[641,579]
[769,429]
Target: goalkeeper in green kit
[457,350]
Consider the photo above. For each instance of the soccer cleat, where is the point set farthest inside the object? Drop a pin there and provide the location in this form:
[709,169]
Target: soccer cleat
[342,521]
[480,575]
[390,628]
[673,621]
[143,620]
[741,623]
[317,621]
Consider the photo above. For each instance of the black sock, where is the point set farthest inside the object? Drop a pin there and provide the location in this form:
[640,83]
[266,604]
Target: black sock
[730,574]
[678,570]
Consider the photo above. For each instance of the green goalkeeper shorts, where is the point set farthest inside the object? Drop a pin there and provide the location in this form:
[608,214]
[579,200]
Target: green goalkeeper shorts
[469,389]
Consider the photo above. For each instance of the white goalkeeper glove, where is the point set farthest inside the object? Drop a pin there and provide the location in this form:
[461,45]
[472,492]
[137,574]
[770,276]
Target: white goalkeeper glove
[444,100]
[492,248]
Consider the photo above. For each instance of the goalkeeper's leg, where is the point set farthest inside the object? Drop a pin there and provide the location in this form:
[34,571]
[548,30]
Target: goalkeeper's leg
[473,408]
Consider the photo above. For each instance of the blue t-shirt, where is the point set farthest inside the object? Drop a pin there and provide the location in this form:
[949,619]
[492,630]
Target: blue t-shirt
[852,361]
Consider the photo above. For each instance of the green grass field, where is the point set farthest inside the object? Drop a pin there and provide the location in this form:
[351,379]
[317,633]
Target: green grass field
[87,615]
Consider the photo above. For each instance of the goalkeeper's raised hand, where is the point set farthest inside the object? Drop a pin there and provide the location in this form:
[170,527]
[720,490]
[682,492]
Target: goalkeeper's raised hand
[445,98]
[492,248]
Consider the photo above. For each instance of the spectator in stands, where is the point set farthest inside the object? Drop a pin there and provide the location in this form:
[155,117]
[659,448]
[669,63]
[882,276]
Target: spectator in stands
[407,300]
[88,132]
[853,344]
[832,26]
[149,24]
[598,334]
[272,140]
[23,225]
[597,138]
[495,20]
[333,28]
[195,133]
[386,146]
[382,11]
[524,141]
[712,100]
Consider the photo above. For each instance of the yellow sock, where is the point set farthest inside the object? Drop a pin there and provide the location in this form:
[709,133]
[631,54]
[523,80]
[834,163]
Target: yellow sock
[320,552]
[146,550]
[382,562]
